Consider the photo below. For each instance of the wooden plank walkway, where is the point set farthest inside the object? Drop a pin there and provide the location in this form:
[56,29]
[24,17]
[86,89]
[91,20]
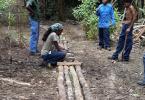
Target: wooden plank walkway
[71,82]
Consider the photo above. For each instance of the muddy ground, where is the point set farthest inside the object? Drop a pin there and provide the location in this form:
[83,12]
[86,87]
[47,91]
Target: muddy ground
[107,81]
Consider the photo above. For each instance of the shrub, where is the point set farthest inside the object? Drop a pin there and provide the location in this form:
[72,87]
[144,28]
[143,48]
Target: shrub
[85,13]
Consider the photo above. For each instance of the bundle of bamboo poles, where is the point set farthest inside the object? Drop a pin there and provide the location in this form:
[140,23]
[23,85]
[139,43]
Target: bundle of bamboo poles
[71,82]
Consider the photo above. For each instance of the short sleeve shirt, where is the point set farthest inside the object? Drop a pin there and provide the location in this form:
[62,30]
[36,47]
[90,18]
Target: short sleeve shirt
[34,4]
[48,45]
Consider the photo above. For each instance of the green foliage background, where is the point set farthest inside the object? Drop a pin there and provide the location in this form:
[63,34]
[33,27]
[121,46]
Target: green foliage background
[86,14]
[4,4]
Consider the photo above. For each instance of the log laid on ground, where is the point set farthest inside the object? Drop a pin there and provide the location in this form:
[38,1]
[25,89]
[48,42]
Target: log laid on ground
[86,89]
[138,26]
[77,88]
[70,92]
[69,63]
[15,81]
[140,34]
[60,84]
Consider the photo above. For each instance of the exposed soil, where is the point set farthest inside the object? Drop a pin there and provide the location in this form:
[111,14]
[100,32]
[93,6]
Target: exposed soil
[107,81]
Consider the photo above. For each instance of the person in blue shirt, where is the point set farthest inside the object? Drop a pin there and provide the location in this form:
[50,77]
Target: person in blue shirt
[105,12]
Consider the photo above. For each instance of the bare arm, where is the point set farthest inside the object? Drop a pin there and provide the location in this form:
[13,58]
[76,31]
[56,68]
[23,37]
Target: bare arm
[59,48]
[28,7]
[134,14]
[30,10]
[56,45]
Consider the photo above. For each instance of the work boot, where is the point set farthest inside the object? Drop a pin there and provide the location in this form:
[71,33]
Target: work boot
[141,83]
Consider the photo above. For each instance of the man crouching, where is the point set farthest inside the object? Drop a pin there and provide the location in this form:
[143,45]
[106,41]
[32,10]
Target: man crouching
[52,52]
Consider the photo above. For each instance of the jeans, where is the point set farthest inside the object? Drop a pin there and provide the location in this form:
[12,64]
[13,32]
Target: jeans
[54,57]
[121,43]
[34,36]
[104,37]
[144,66]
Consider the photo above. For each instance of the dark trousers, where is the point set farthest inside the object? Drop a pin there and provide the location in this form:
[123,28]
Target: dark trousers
[121,43]
[53,57]
[104,37]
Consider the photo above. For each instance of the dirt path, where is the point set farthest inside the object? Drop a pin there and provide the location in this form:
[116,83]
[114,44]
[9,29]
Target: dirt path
[107,81]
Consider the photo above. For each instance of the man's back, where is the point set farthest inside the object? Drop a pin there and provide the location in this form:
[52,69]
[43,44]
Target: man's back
[34,4]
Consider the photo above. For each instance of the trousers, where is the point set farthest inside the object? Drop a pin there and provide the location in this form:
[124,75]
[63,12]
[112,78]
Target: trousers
[34,35]
[121,43]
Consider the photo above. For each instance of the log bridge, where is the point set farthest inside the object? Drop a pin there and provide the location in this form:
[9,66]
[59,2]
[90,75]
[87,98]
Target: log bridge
[71,82]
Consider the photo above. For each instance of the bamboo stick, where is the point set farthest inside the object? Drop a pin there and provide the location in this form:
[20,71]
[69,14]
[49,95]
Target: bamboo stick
[86,89]
[70,93]
[78,92]
[60,84]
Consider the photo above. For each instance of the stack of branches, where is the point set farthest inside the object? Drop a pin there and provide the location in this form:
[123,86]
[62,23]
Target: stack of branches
[139,31]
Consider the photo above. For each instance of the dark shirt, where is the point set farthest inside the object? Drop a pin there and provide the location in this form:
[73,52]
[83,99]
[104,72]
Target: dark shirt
[34,4]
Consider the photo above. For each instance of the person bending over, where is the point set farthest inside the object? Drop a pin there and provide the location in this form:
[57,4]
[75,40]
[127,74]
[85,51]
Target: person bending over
[126,37]
[105,12]
[51,51]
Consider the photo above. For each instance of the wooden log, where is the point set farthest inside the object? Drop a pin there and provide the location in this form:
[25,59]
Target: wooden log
[70,92]
[77,87]
[12,81]
[68,63]
[86,89]
[138,26]
[140,34]
[60,84]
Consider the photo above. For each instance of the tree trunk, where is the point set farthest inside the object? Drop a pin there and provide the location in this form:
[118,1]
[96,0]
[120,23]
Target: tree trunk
[61,4]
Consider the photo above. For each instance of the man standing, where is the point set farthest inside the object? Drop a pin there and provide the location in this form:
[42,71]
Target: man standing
[126,37]
[105,12]
[34,13]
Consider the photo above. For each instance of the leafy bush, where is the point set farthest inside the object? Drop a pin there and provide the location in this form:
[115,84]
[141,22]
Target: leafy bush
[86,14]
[4,4]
